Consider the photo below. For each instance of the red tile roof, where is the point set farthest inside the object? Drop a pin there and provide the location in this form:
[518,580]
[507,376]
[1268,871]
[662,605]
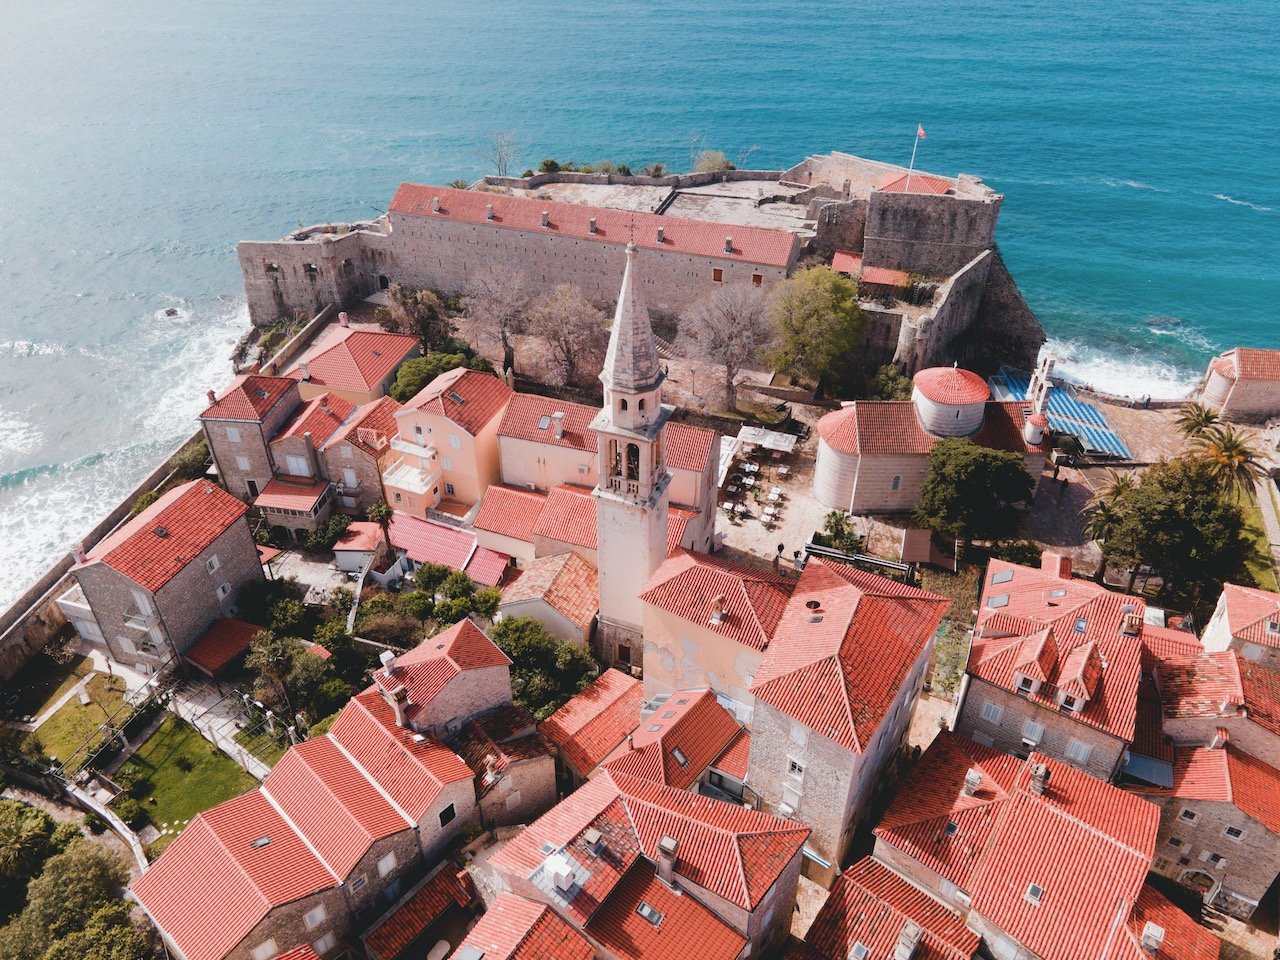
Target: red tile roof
[846,262]
[843,649]
[1225,775]
[427,542]
[1249,611]
[1184,939]
[750,244]
[569,516]
[391,936]
[359,360]
[686,927]
[514,928]
[371,429]
[951,386]
[879,427]
[686,584]
[1084,625]
[1254,364]
[246,852]
[509,512]
[412,770]
[467,397]
[915,183]
[733,758]
[303,952]
[870,904]
[532,417]
[676,743]
[227,639]
[1261,687]
[594,722]
[566,582]
[487,567]
[1198,687]
[884,277]
[361,537]
[689,447]
[250,398]
[1164,643]
[291,493]
[430,666]
[331,802]
[320,416]
[1007,838]
[160,541]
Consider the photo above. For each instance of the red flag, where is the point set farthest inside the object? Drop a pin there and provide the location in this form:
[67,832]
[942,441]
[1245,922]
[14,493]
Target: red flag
[920,131]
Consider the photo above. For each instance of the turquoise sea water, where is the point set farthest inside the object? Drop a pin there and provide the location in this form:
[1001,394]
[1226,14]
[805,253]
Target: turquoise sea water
[1136,144]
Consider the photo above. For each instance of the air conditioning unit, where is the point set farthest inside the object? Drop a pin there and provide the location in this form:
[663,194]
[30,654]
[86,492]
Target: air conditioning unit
[562,877]
[785,810]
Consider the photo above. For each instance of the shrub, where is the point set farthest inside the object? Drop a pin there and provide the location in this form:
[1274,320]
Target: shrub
[458,585]
[140,788]
[418,604]
[342,598]
[321,727]
[144,500]
[379,603]
[190,462]
[327,534]
[430,576]
[130,811]
[486,601]
[392,630]
[331,695]
[184,764]
[452,611]
[95,824]
[549,166]
[527,174]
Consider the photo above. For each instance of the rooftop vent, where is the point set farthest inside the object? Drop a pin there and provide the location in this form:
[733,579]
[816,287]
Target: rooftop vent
[1152,937]
[546,218]
[435,204]
[717,610]
[908,941]
[260,843]
[594,841]
[668,847]
[972,781]
[591,225]
[1132,625]
[386,656]
[488,211]
[562,877]
[728,244]
[213,397]
[1039,779]
[660,235]
[859,951]
[161,532]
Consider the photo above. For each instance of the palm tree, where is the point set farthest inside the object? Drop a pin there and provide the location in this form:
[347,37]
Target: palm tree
[1100,519]
[1113,489]
[380,513]
[1195,420]
[1233,456]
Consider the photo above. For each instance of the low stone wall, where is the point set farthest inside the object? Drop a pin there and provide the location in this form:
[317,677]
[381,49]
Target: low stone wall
[299,342]
[678,181]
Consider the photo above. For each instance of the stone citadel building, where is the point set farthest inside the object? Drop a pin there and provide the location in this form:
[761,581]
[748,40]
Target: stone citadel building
[956,299]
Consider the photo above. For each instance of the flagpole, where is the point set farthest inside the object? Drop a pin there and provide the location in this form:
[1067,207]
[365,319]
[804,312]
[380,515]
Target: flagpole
[915,143]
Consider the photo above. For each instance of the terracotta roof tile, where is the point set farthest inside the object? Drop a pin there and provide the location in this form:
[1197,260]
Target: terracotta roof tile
[320,416]
[510,512]
[951,386]
[845,261]
[569,516]
[750,244]
[1184,939]
[884,277]
[688,447]
[433,664]
[303,952]
[250,398]
[1199,686]
[427,542]
[1254,364]
[594,722]
[686,583]
[391,936]
[357,360]
[879,427]
[362,536]
[291,493]
[1250,613]
[566,582]
[487,567]
[227,639]
[915,183]
[1225,775]
[160,541]
[533,417]
[508,735]
[467,397]
[514,928]
[371,428]
[733,759]
[844,648]
[870,904]
[676,743]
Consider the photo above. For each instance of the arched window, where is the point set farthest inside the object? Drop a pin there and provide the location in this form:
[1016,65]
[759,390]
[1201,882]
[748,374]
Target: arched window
[622,404]
[642,404]
[633,462]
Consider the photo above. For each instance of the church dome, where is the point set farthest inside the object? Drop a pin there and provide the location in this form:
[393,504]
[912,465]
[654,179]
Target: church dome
[950,402]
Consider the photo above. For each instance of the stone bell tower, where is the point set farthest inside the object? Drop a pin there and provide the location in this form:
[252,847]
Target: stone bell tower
[631,494]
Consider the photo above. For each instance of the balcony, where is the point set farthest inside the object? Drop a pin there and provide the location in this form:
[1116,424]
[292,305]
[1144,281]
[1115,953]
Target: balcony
[140,621]
[409,448]
[74,605]
[412,479]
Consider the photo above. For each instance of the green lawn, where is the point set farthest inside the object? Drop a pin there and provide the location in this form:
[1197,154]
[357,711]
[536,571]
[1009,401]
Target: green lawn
[75,723]
[43,680]
[262,745]
[177,794]
[1260,565]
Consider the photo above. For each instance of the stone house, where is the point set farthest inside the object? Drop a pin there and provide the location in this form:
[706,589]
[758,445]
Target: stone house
[593,858]
[1039,859]
[515,771]
[449,427]
[679,741]
[506,519]
[708,623]
[354,455]
[1221,691]
[873,455]
[561,592]
[592,724]
[834,697]
[358,365]
[1244,384]
[1219,825]
[295,446]
[238,426]
[1246,620]
[1054,667]
[148,591]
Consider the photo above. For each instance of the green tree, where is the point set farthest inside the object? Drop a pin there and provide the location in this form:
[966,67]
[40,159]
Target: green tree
[415,374]
[307,675]
[1100,521]
[108,935]
[287,614]
[1178,522]
[1233,458]
[417,604]
[1113,489]
[417,312]
[819,324]
[888,383]
[457,585]
[271,657]
[545,671]
[838,528]
[1195,419]
[143,500]
[26,841]
[973,492]
[486,601]
[430,576]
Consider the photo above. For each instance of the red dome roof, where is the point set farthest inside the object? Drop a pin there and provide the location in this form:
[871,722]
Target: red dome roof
[951,385]
[1039,419]
[839,429]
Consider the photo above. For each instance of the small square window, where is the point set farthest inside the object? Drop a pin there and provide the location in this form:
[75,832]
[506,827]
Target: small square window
[794,769]
[717,275]
[1078,751]
[448,489]
[387,864]
[1235,833]
[264,951]
[998,601]
[224,591]
[649,913]
[952,828]
[242,463]
[233,434]
[447,815]
[896,483]
[1034,894]
[315,917]
[325,943]
[757,280]
[680,757]
[992,713]
[212,564]
[455,441]
[398,498]
[1175,843]
[358,883]
[1188,816]
[1081,625]
[1273,626]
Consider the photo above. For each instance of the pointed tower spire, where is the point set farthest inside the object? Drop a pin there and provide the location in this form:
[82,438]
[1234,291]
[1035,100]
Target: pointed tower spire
[631,364]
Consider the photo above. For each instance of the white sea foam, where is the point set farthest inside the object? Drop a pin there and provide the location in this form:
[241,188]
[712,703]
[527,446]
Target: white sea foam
[1133,184]
[1242,203]
[1126,376]
[17,435]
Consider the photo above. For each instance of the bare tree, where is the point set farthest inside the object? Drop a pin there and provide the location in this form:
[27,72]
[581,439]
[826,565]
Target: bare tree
[744,156]
[499,296]
[575,330]
[500,150]
[731,327]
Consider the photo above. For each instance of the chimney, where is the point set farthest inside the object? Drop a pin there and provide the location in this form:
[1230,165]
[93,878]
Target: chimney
[213,397]
[728,244]
[344,319]
[399,700]
[908,941]
[435,204]
[660,234]
[388,660]
[667,849]
[972,781]
[557,421]
[717,610]
[1221,737]
[1152,937]
[546,218]
[591,225]
[304,368]
[631,742]
[488,211]
[1229,705]
[1039,779]
[1056,564]
[78,552]
[594,840]
[1132,625]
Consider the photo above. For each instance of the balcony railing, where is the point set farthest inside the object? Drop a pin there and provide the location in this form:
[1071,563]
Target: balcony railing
[630,488]
[140,621]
